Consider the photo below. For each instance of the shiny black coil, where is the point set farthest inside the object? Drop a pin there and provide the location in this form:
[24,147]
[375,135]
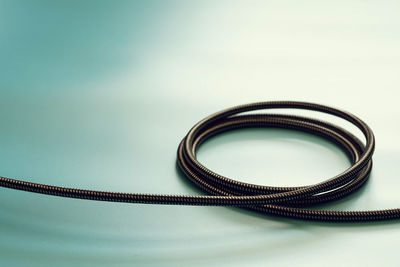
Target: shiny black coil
[281,201]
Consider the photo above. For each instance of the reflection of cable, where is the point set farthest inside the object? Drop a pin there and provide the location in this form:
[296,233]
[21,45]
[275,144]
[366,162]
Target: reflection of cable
[283,201]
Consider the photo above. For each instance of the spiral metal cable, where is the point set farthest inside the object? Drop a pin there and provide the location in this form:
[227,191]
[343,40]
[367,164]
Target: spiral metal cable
[282,201]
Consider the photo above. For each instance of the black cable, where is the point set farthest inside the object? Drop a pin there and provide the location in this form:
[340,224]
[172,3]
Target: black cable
[282,201]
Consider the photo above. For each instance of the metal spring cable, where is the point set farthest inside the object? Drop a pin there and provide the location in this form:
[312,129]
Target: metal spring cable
[281,201]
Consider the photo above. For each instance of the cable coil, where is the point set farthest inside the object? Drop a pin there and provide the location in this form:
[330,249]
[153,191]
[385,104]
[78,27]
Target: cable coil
[281,201]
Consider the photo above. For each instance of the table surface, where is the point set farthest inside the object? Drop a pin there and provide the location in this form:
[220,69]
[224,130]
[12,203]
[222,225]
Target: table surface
[98,94]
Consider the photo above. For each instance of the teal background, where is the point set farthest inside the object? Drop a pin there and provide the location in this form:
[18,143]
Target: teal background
[98,94]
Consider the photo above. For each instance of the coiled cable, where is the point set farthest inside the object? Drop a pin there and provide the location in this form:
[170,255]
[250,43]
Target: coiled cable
[281,201]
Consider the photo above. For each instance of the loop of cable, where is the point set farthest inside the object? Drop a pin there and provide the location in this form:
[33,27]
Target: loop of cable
[289,202]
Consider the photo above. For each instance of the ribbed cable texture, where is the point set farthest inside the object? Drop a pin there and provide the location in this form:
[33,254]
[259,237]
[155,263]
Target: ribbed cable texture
[281,201]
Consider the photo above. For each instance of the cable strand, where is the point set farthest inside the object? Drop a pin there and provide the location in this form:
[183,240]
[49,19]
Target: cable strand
[223,191]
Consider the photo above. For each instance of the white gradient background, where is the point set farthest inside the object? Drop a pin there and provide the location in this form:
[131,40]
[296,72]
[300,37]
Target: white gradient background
[98,94]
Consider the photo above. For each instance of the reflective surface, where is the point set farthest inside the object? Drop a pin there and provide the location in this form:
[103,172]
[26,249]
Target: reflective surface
[92,93]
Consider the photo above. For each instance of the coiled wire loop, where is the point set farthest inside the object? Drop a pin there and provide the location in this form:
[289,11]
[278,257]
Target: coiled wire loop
[281,201]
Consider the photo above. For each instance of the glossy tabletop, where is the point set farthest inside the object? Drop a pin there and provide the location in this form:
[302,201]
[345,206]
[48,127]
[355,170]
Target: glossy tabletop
[98,95]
